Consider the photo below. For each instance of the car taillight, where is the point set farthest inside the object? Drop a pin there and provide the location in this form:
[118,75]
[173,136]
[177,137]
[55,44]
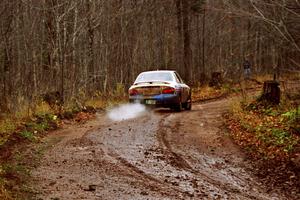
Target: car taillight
[133,92]
[168,90]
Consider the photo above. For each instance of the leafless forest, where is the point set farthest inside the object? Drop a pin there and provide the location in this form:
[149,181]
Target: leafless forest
[82,46]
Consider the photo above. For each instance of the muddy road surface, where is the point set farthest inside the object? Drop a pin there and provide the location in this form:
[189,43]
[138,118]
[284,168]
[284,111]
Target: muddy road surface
[158,155]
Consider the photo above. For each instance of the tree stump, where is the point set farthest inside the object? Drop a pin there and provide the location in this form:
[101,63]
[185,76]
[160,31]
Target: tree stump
[271,92]
[216,79]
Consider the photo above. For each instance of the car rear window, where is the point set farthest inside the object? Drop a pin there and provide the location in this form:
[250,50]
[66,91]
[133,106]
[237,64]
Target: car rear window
[154,76]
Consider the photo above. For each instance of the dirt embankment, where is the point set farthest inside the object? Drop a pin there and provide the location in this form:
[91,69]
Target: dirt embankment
[159,155]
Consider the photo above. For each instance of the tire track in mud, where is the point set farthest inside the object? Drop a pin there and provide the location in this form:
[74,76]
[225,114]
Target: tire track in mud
[173,158]
[125,167]
[150,182]
[178,161]
[147,181]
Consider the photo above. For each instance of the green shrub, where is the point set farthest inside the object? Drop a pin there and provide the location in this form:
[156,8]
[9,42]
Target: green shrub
[28,135]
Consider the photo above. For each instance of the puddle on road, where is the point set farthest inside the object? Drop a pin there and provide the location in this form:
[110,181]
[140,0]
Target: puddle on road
[126,111]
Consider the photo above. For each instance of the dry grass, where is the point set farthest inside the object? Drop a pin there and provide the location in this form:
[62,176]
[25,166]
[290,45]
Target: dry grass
[7,127]
[105,102]
[96,103]
[206,92]
[262,78]
[291,76]
[10,123]
[283,76]
[43,108]
[4,195]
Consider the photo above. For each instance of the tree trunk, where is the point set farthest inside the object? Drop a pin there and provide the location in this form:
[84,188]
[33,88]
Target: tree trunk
[271,92]
[186,40]
[203,41]
[179,54]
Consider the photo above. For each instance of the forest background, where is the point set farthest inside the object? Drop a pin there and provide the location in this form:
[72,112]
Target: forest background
[83,48]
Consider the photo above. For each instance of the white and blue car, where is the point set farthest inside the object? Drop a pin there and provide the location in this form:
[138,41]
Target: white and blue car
[161,88]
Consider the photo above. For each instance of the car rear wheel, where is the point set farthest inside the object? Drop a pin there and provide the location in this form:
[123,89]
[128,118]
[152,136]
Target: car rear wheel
[177,107]
[188,104]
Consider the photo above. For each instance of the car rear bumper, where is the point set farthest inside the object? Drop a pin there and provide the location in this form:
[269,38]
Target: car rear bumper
[161,100]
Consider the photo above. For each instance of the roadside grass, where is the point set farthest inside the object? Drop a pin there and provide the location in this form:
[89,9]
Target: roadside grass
[15,135]
[266,131]
[262,78]
[205,92]
[104,102]
[21,129]
[270,137]
[7,126]
[293,75]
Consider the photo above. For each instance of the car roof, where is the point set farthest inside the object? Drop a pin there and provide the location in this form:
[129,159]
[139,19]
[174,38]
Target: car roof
[166,71]
[169,72]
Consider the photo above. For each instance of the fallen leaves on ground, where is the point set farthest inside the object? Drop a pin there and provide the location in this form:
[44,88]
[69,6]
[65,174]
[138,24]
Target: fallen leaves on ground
[272,144]
[265,131]
[83,116]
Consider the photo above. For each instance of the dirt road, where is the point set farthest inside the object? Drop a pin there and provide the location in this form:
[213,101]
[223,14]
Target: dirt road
[159,155]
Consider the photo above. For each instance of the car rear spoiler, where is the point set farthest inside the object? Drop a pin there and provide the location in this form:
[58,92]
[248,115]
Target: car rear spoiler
[151,82]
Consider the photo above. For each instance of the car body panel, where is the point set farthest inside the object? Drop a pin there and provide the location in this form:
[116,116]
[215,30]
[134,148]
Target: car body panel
[162,88]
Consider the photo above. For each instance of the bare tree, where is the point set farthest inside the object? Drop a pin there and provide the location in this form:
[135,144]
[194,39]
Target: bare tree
[79,47]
